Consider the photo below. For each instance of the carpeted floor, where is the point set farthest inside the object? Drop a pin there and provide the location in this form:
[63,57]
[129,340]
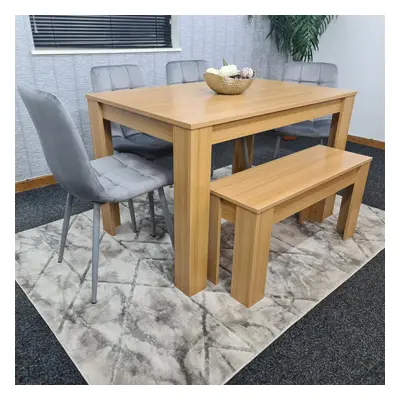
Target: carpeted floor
[341,341]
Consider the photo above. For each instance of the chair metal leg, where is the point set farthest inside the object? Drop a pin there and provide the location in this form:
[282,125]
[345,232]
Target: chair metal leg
[277,147]
[133,218]
[246,153]
[95,250]
[167,214]
[67,216]
[322,141]
[152,214]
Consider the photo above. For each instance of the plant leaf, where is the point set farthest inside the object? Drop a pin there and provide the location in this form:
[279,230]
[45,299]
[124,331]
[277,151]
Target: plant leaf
[224,62]
[298,35]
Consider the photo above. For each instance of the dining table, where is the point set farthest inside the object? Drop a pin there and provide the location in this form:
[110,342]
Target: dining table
[194,118]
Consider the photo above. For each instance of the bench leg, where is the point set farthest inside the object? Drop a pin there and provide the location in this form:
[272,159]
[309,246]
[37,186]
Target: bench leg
[322,210]
[318,212]
[304,215]
[351,203]
[214,240]
[250,258]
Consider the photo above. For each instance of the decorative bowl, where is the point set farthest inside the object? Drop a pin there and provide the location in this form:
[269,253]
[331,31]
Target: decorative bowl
[226,85]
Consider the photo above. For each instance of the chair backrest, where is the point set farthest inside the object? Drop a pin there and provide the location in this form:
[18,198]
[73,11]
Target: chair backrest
[61,143]
[311,73]
[116,77]
[185,71]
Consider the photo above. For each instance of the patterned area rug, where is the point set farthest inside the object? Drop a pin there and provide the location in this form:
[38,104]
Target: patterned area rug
[145,331]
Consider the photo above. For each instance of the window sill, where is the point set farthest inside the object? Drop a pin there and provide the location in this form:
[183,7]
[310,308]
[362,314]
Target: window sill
[49,52]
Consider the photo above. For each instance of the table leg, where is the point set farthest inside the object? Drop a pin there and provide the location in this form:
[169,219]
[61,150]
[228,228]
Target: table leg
[102,146]
[214,240]
[192,163]
[239,162]
[337,138]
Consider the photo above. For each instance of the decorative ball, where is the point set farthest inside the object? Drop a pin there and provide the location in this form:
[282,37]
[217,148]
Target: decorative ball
[246,73]
[229,70]
[214,71]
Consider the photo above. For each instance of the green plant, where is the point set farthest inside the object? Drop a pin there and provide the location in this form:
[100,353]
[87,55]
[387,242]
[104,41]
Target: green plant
[298,35]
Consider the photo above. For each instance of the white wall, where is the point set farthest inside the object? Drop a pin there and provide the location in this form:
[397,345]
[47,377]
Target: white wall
[206,37]
[356,44]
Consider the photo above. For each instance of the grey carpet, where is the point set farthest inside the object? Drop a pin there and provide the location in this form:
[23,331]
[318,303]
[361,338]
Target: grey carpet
[39,357]
[341,341]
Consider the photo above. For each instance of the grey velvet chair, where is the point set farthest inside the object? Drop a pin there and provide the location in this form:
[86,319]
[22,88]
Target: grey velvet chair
[126,140]
[185,71]
[314,74]
[112,179]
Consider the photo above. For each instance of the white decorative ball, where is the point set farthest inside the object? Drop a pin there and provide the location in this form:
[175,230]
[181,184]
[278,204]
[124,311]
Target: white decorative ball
[229,70]
[213,71]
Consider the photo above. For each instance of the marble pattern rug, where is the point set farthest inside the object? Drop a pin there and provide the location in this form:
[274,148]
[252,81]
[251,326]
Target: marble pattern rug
[145,331]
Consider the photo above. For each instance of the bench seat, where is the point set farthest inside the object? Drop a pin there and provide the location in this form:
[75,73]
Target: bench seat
[258,197]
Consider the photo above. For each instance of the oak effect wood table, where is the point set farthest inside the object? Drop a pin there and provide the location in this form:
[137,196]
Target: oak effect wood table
[194,118]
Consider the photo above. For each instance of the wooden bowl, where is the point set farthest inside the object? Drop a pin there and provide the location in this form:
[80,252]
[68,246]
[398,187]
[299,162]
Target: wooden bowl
[225,85]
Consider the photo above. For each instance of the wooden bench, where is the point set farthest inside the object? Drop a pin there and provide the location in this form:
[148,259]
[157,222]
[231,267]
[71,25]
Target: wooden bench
[257,198]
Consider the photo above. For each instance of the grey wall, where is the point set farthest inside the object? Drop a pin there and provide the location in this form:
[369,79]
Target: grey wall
[67,76]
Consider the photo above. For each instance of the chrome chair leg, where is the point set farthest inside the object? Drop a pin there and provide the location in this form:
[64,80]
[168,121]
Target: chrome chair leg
[277,147]
[322,141]
[95,250]
[152,214]
[167,214]
[133,218]
[67,217]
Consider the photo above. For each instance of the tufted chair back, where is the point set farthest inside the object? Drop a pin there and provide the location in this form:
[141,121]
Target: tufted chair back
[116,77]
[311,73]
[62,144]
[185,71]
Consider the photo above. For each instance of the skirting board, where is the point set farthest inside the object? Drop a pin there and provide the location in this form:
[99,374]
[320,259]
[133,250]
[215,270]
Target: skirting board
[366,142]
[34,183]
[47,180]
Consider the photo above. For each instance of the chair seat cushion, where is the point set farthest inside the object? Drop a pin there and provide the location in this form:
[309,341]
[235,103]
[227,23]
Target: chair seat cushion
[144,145]
[317,128]
[125,176]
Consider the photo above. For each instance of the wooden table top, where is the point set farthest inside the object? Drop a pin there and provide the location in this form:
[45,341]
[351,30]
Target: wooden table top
[195,105]
[267,185]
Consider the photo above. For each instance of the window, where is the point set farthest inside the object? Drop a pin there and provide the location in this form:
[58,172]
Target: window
[101,31]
